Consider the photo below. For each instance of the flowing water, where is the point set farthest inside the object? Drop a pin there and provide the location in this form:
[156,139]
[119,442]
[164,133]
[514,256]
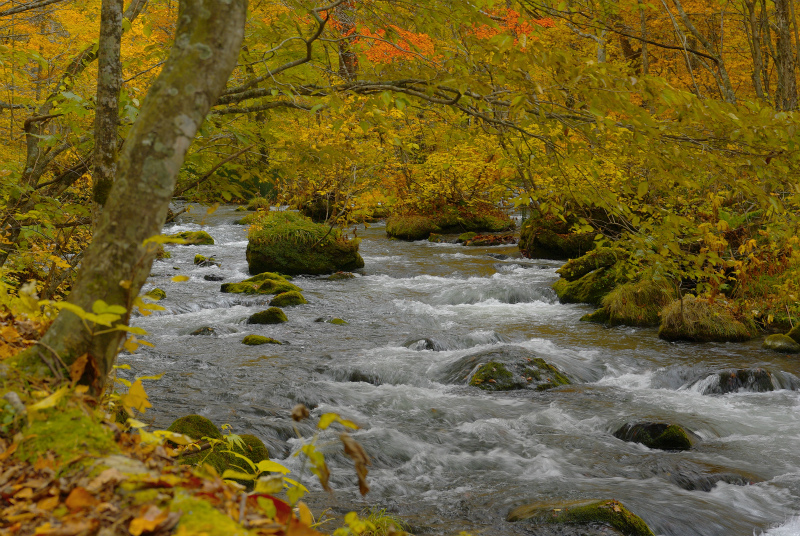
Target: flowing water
[450,457]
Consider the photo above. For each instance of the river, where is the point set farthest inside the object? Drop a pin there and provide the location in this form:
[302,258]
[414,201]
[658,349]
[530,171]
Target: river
[449,457]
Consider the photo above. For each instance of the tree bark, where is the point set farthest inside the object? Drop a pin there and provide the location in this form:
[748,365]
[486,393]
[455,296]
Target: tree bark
[786,98]
[117,263]
[106,118]
[348,61]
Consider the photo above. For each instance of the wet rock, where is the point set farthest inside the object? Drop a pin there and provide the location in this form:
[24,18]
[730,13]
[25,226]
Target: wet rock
[266,283]
[156,294]
[498,256]
[755,380]
[329,320]
[491,240]
[213,277]
[463,237]
[699,320]
[289,243]
[424,344]
[358,376]
[662,436]
[273,315]
[781,343]
[436,238]
[288,299]
[504,369]
[205,262]
[707,482]
[602,257]
[550,238]
[205,331]
[794,333]
[591,514]
[256,340]
[449,220]
[591,288]
[338,276]
[199,238]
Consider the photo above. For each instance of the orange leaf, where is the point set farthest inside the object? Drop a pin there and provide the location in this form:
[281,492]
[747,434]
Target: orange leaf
[79,499]
[47,504]
[151,518]
[77,368]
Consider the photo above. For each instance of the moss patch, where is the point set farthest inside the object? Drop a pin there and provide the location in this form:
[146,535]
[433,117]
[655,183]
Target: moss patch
[258,203]
[493,376]
[287,299]
[781,343]
[338,322]
[338,276]
[599,316]
[547,374]
[156,294]
[200,238]
[266,286]
[603,257]
[550,238]
[610,512]
[200,517]
[196,427]
[68,433]
[591,288]
[637,304]
[255,340]
[448,220]
[464,237]
[273,315]
[662,436]
[699,320]
[289,243]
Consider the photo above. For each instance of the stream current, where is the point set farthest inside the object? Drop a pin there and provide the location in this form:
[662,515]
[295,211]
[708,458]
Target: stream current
[449,457]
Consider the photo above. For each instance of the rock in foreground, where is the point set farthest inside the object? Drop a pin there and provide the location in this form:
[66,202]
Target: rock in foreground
[655,435]
[580,513]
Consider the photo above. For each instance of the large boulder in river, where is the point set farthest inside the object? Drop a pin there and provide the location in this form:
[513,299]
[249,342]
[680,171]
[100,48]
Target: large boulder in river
[448,220]
[781,343]
[634,304]
[655,435]
[265,283]
[273,315]
[699,320]
[290,243]
[198,238]
[591,288]
[582,515]
[548,237]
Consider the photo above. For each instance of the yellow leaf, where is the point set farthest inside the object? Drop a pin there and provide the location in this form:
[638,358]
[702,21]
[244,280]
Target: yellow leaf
[180,278]
[151,518]
[305,514]
[272,467]
[51,400]
[136,397]
[175,437]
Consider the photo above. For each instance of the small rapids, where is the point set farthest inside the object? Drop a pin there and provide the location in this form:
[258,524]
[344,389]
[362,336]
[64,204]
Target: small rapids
[447,456]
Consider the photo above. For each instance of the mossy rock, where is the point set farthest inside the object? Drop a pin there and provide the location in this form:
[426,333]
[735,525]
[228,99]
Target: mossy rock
[199,238]
[156,294]
[250,218]
[255,340]
[610,512]
[654,435]
[699,320]
[203,261]
[199,259]
[205,331]
[781,343]
[755,380]
[266,275]
[599,316]
[241,208]
[794,333]
[436,238]
[602,257]
[491,240]
[195,426]
[288,299]
[508,369]
[338,276]
[546,375]
[161,253]
[265,286]
[465,237]
[292,244]
[411,227]
[550,238]
[494,376]
[253,448]
[258,203]
[273,315]
[637,304]
[338,322]
[591,288]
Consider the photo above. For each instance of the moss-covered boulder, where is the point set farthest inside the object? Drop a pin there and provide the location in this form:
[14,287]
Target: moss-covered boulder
[273,315]
[289,243]
[755,380]
[505,369]
[195,426]
[549,237]
[288,299]
[199,238]
[258,203]
[636,304]
[699,320]
[411,227]
[156,294]
[579,513]
[448,220]
[256,340]
[494,376]
[578,267]
[338,276]
[655,435]
[591,288]
[252,447]
[465,237]
[794,333]
[250,218]
[781,343]
[491,240]
[266,283]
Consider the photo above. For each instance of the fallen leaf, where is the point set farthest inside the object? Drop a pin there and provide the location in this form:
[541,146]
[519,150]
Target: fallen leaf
[47,504]
[77,368]
[79,499]
[151,517]
[110,475]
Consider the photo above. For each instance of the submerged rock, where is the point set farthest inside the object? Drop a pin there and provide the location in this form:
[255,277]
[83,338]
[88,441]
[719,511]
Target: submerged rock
[213,277]
[199,238]
[288,299]
[781,343]
[654,435]
[505,369]
[337,321]
[273,315]
[755,380]
[582,513]
[205,262]
[205,331]
[338,276]
[156,294]
[698,320]
[256,340]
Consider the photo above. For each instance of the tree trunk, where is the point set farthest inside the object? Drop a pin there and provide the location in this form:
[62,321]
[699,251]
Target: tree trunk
[787,92]
[117,263]
[106,118]
[348,61]
[753,30]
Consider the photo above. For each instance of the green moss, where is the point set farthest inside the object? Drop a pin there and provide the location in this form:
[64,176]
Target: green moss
[602,257]
[781,343]
[240,208]
[699,320]
[255,340]
[200,238]
[161,253]
[436,238]
[464,237]
[610,512]
[289,243]
[411,227]
[267,286]
[156,294]
[338,322]
[638,304]
[196,427]
[273,315]
[68,433]
[554,377]
[264,276]
[338,276]
[493,376]
[448,220]
[551,238]
[599,316]
[288,299]
[258,203]
[253,448]
[200,517]
[591,288]
[251,218]
[660,436]
[199,259]
[794,333]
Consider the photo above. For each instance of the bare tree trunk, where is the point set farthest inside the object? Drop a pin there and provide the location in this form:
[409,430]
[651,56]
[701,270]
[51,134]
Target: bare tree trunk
[117,263]
[348,61]
[645,57]
[106,119]
[787,94]
[753,29]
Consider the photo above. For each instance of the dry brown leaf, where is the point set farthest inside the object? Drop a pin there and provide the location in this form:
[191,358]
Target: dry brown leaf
[149,519]
[47,504]
[24,493]
[79,499]
[111,475]
[77,368]
[355,451]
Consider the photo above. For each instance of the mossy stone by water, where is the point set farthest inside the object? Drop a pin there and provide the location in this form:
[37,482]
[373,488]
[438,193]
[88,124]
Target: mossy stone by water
[195,426]
[256,340]
[289,243]
[273,315]
[546,374]
[448,220]
[591,288]
[493,376]
[550,238]
[637,304]
[264,286]
[699,320]
[156,294]
[602,257]
[662,436]
[411,227]
[288,299]
[610,512]
[781,343]
[794,333]
[338,276]
[464,237]
[199,238]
